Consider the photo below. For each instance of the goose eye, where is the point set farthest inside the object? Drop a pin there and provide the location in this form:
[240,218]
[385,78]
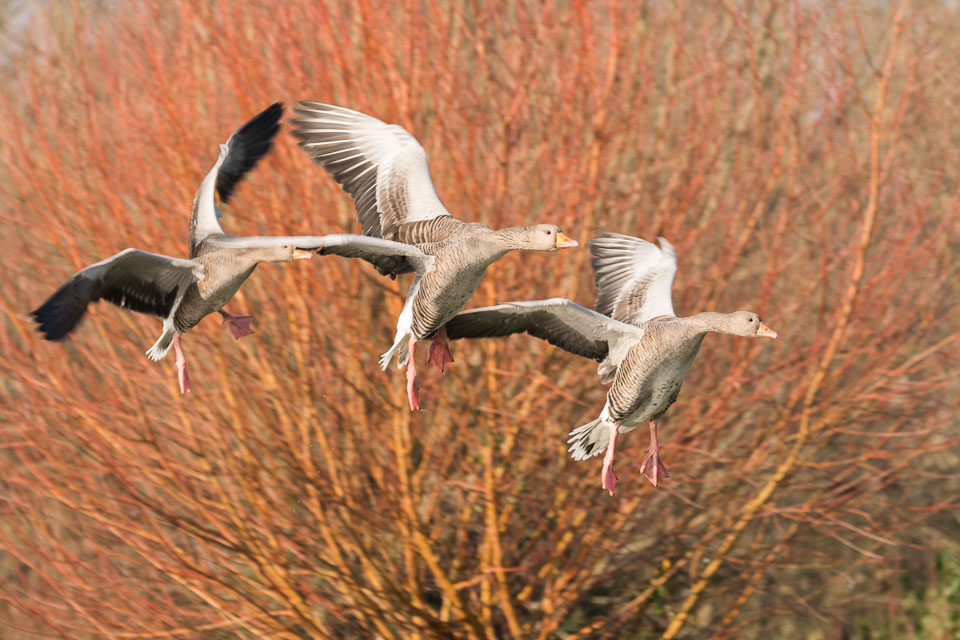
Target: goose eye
[549,232]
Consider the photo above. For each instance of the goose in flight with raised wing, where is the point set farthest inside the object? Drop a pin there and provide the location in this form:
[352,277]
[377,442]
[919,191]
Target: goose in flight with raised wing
[642,347]
[385,169]
[183,291]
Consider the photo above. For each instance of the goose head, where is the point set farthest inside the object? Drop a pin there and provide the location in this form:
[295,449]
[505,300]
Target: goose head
[285,253]
[543,237]
[300,254]
[747,324]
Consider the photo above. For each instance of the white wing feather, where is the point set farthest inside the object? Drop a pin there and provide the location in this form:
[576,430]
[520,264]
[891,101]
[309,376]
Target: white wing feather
[634,277]
[381,165]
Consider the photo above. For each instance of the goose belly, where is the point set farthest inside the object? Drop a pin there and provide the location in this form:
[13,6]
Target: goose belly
[204,298]
[661,394]
[441,298]
[644,390]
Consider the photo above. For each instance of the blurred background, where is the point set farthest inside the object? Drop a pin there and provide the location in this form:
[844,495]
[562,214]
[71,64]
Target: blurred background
[802,158]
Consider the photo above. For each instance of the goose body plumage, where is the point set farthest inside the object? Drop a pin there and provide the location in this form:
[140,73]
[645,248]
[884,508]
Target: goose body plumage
[643,349]
[385,170]
[184,291]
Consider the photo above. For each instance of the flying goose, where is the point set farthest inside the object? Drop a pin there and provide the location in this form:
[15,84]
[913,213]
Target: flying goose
[183,291]
[385,169]
[642,347]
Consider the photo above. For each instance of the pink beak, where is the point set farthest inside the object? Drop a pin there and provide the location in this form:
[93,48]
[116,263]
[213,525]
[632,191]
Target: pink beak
[565,242]
[766,332]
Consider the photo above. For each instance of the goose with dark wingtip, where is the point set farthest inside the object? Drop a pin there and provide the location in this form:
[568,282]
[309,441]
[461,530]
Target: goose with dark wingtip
[183,291]
[642,347]
[385,169]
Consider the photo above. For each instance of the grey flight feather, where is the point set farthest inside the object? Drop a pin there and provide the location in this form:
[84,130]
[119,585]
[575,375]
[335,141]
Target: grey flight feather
[561,322]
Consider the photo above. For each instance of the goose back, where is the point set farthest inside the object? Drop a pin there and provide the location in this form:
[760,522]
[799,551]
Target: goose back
[434,230]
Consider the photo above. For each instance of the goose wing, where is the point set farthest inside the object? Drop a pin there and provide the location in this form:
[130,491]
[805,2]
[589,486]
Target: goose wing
[132,279]
[377,251]
[634,277]
[239,155]
[561,322]
[382,166]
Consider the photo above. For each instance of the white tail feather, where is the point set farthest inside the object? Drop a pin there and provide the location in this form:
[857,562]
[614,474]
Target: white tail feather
[404,333]
[590,439]
[163,344]
[399,348]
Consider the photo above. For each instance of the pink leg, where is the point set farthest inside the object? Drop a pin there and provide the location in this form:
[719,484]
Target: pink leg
[182,376]
[607,474]
[412,375]
[440,350]
[238,326]
[653,466]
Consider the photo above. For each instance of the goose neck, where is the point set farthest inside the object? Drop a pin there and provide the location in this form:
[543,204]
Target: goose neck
[512,238]
[711,321]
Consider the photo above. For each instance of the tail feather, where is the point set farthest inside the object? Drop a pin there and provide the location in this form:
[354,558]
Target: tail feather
[162,345]
[397,348]
[590,439]
[607,370]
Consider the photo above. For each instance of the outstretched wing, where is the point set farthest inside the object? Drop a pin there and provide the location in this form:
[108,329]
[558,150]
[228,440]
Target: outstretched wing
[634,277]
[382,166]
[376,251]
[561,322]
[132,279]
[239,155]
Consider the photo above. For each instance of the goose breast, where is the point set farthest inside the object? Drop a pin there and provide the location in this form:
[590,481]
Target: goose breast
[648,380]
[459,266]
[227,271]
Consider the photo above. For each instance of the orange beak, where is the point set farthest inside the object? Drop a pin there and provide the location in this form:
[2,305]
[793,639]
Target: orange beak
[565,242]
[766,332]
[300,254]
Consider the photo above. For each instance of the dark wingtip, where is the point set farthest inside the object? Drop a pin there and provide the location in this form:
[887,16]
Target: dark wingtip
[264,125]
[271,114]
[59,315]
[47,325]
[254,140]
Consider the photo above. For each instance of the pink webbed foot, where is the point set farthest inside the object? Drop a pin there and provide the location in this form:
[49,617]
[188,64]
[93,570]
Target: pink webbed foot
[440,354]
[182,376]
[412,376]
[654,468]
[652,465]
[608,477]
[238,326]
